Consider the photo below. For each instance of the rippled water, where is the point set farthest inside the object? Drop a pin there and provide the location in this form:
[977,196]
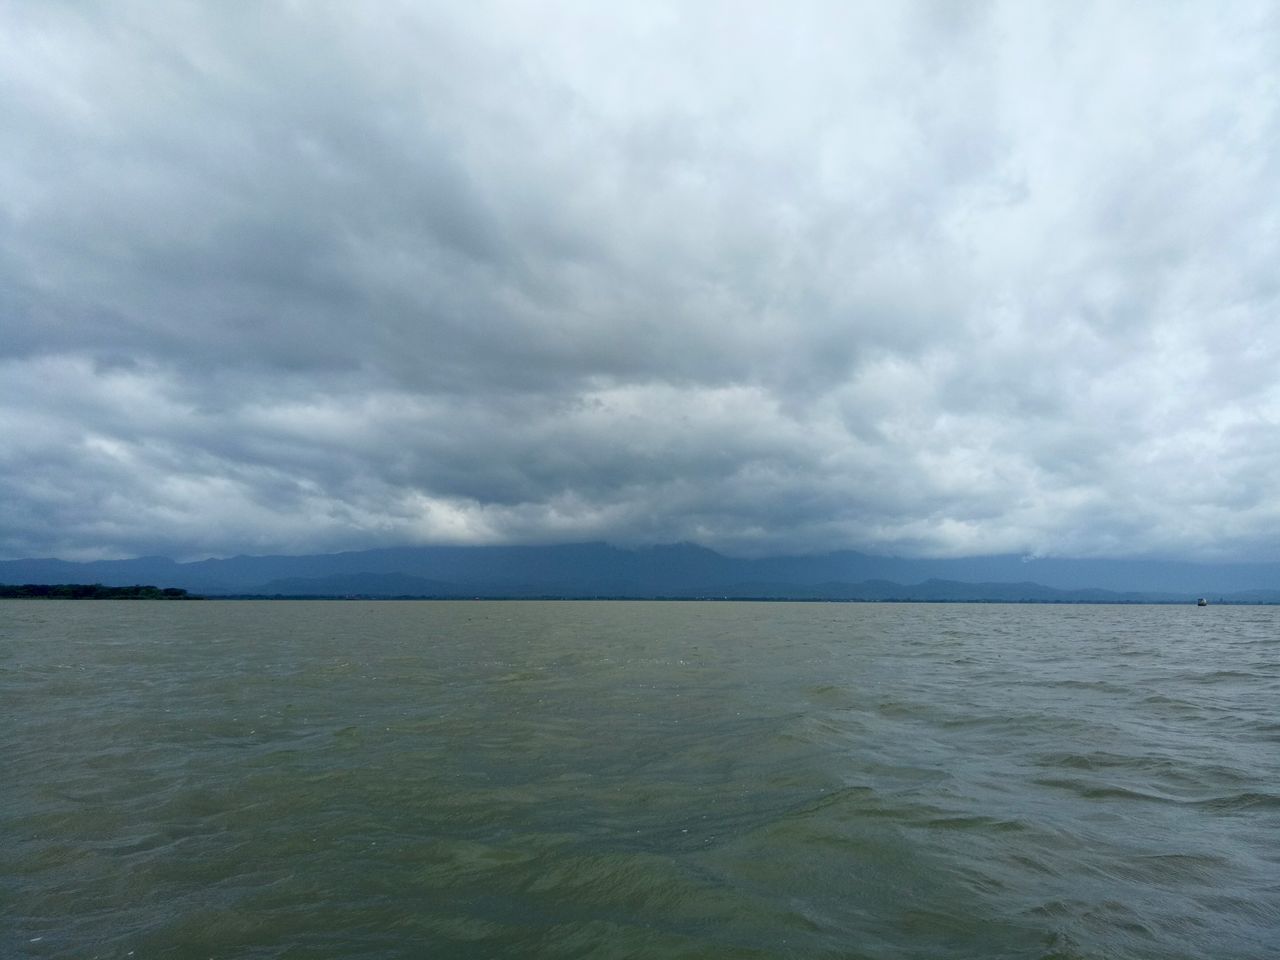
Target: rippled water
[306,780]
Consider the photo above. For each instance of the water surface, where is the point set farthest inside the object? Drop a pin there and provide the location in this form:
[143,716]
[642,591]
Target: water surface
[639,779]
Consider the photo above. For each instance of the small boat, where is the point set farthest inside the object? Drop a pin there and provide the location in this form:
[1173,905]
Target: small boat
[1202,602]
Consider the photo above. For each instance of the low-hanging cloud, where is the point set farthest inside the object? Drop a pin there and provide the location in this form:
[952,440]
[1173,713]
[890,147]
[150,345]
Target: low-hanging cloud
[913,278]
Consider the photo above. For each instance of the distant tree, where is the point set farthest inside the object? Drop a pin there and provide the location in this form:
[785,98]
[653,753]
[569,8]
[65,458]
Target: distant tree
[91,591]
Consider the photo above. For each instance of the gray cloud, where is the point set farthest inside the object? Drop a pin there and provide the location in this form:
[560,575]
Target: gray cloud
[918,278]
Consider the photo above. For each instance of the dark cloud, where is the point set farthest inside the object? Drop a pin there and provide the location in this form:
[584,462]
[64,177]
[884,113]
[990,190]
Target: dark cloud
[911,278]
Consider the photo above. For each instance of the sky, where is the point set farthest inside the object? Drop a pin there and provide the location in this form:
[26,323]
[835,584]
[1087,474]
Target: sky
[923,279]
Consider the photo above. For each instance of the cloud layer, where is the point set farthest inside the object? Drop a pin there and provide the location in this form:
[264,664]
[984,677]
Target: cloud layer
[927,279]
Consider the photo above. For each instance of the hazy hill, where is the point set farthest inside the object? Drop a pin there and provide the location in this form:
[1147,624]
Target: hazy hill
[597,569]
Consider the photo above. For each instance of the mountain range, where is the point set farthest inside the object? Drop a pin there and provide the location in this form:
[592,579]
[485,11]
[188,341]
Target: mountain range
[671,570]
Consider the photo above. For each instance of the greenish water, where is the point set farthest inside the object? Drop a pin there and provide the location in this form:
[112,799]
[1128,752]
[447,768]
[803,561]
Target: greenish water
[709,780]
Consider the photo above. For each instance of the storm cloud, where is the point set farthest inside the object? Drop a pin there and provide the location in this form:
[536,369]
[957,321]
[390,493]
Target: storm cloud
[926,279]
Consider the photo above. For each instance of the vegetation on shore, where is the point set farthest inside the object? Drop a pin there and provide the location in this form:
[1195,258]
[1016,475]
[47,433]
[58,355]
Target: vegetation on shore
[92,591]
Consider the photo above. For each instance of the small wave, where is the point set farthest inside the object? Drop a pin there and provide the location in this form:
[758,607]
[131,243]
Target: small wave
[831,692]
[1062,947]
[898,708]
[1150,765]
[1084,761]
[859,797]
[1249,800]
[1198,865]
[1241,801]
[975,823]
[1159,699]
[1026,721]
[1217,676]
[1093,791]
[1103,686]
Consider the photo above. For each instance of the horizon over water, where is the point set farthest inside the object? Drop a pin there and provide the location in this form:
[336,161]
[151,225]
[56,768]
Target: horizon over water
[494,779]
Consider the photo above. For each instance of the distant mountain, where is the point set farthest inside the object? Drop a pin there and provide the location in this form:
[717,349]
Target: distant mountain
[949,591]
[358,585]
[675,570]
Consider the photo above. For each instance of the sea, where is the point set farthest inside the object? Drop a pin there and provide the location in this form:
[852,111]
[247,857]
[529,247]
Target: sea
[346,779]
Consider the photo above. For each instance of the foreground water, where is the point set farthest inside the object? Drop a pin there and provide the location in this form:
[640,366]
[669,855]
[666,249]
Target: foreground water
[311,779]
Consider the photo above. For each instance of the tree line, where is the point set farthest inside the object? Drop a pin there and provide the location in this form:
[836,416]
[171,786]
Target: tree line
[92,591]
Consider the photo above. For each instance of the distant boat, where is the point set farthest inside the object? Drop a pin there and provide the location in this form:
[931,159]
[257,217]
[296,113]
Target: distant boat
[1202,602]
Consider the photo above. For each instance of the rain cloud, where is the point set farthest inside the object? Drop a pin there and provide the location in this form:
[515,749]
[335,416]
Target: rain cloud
[928,279]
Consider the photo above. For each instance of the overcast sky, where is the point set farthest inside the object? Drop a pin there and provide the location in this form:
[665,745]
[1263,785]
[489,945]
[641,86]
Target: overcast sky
[926,279]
